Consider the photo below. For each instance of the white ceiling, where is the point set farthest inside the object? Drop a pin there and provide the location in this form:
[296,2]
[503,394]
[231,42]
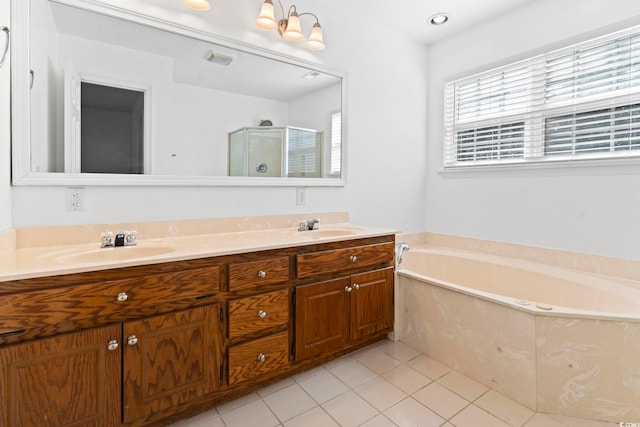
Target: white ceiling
[248,74]
[411,17]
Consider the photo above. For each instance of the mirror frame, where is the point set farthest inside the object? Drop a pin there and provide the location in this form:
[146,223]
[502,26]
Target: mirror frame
[21,108]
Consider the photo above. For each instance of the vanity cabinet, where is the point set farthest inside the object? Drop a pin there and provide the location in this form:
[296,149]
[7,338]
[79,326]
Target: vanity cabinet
[68,380]
[170,360]
[82,378]
[333,314]
[259,324]
[150,344]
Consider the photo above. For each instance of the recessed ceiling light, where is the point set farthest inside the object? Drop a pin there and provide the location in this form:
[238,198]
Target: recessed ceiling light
[438,19]
[310,75]
[218,58]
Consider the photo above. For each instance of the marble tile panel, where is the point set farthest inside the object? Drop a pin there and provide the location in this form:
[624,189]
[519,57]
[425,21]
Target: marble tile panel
[629,269]
[589,368]
[490,343]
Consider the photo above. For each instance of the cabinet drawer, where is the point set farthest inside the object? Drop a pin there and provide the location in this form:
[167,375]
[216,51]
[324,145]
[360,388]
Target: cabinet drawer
[256,273]
[259,357]
[42,308]
[258,313]
[337,260]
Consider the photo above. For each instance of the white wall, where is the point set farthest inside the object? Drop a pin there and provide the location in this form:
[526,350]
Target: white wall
[5,135]
[592,210]
[201,120]
[385,119]
[44,93]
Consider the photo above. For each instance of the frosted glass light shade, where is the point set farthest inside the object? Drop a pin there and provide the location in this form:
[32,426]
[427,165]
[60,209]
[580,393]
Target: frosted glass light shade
[315,41]
[294,31]
[197,4]
[267,20]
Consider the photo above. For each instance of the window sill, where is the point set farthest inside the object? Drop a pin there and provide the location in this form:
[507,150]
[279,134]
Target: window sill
[616,166]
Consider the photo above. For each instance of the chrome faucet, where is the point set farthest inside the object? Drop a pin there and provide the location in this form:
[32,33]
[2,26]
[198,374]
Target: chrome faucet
[312,224]
[122,238]
[402,248]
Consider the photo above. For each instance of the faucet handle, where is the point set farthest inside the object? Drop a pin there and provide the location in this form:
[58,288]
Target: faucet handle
[303,226]
[314,224]
[130,238]
[107,239]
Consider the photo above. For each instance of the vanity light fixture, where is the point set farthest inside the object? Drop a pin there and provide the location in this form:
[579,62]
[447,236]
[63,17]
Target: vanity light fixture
[438,19]
[197,4]
[289,26]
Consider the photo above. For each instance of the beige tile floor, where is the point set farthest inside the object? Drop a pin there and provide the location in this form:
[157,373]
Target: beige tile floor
[385,384]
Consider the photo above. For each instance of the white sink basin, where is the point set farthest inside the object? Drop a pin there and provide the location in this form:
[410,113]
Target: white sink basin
[123,253]
[329,233]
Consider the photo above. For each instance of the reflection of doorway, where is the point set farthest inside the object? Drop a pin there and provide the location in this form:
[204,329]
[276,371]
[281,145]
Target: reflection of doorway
[111,135]
[105,128]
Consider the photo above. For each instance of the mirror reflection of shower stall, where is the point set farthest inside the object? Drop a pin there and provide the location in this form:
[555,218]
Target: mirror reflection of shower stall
[275,152]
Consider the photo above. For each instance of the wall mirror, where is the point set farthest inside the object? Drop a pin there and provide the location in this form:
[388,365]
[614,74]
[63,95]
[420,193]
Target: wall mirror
[110,98]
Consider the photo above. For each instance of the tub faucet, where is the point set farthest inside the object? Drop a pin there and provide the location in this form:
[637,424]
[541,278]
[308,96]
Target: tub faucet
[402,248]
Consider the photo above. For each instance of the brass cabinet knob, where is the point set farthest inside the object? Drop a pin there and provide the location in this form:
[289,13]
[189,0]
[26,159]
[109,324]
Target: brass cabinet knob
[353,258]
[122,297]
[132,340]
[262,314]
[262,358]
[113,345]
[348,288]
[356,286]
[262,274]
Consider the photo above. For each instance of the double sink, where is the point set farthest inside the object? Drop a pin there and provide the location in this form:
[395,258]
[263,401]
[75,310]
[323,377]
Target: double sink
[82,254]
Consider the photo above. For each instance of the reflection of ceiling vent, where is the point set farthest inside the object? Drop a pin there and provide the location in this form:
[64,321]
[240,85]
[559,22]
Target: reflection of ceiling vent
[218,58]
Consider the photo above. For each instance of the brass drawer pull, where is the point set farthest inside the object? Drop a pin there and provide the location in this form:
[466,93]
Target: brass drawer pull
[262,274]
[353,258]
[113,345]
[262,314]
[122,297]
[132,340]
[262,358]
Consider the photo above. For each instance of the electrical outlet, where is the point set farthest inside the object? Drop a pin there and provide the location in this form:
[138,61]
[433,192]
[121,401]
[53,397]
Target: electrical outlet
[301,196]
[74,199]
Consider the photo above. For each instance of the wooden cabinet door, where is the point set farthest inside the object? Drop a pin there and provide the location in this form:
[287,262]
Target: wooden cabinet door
[371,303]
[170,360]
[69,380]
[322,317]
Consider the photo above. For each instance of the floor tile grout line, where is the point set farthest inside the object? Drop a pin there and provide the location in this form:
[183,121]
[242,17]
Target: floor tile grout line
[402,362]
[528,419]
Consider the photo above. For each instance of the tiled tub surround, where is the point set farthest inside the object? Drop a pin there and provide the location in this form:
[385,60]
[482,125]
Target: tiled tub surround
[36,252]
[477,312]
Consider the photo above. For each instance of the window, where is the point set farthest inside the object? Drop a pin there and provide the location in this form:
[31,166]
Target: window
[336,143]
[582,102]
[304,152]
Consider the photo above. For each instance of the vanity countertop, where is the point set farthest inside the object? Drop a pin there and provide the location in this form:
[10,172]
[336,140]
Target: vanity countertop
[51,260]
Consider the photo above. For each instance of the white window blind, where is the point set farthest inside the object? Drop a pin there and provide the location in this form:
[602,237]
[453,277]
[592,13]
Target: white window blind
[581,102]
[336,142]
[303,154]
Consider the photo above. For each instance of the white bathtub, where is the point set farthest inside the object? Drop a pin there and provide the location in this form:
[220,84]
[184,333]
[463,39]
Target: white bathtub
[555,340]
